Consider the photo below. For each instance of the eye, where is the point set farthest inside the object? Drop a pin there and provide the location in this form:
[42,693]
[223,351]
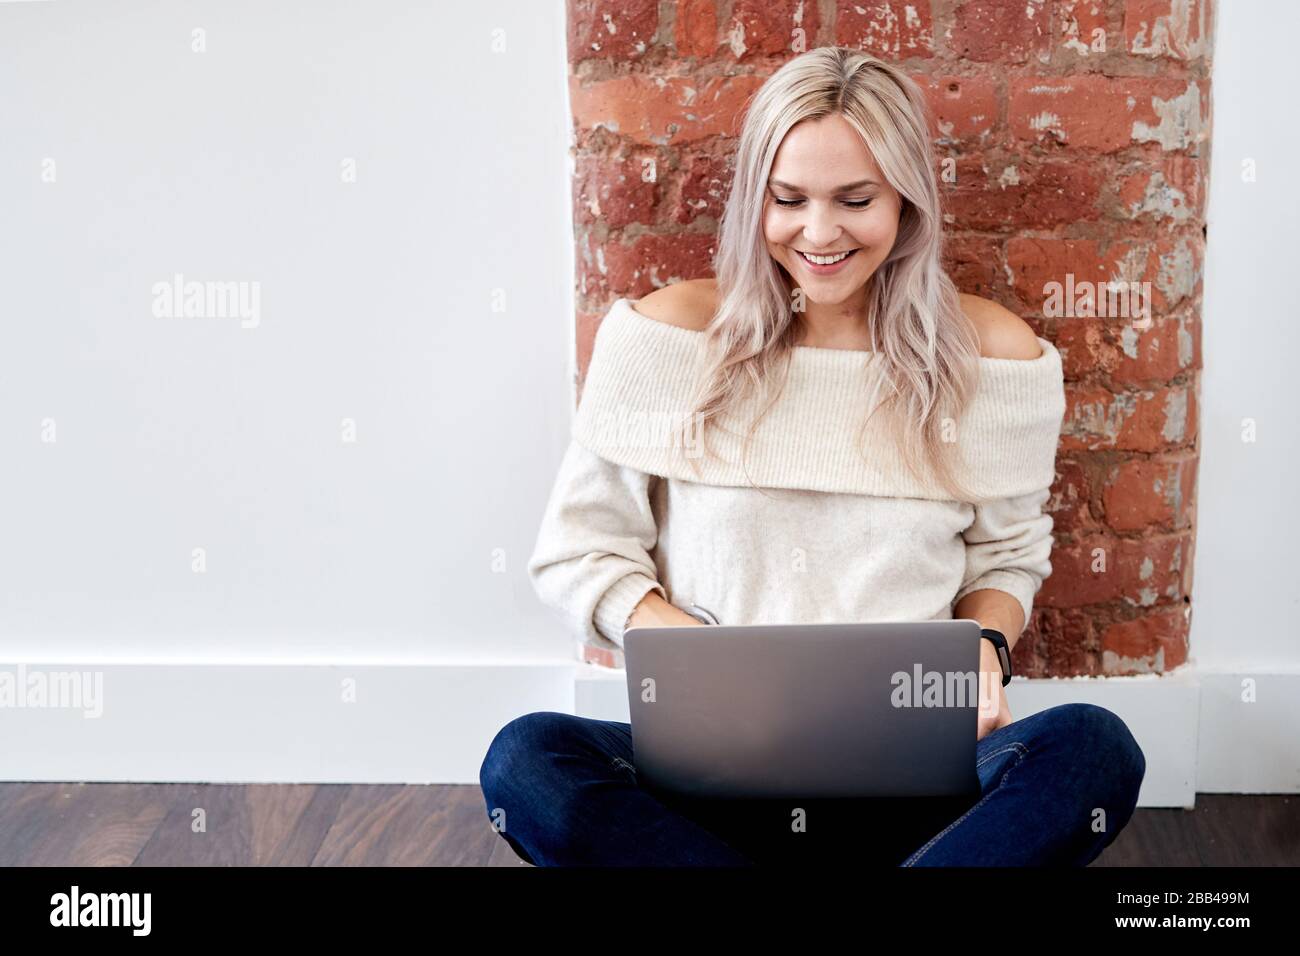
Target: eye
[852,204]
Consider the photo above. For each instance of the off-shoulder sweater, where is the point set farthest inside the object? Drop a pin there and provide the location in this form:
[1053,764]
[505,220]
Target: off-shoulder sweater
[804,529]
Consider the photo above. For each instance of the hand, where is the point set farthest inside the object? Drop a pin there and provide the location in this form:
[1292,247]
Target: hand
[992,715]
[654,611]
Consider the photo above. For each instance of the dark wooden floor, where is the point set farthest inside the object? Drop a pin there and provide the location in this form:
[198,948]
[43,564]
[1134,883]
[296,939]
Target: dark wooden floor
[111,824]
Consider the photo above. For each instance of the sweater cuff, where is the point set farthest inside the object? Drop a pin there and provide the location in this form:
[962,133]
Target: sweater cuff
[617,604]
[1019,584]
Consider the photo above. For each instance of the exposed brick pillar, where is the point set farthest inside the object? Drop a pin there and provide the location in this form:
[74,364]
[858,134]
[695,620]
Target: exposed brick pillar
[1073,142]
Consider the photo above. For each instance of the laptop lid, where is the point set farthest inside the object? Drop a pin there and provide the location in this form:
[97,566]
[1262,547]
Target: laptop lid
[816,710]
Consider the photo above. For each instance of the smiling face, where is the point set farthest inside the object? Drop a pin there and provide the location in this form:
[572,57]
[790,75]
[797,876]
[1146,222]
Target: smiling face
[807,209]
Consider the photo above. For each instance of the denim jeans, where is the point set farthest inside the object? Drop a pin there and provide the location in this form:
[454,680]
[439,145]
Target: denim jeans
[1055,790]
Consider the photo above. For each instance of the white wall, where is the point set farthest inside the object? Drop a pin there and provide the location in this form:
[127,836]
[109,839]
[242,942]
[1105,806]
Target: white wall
[1246,588]
[176,433]
[1246,592]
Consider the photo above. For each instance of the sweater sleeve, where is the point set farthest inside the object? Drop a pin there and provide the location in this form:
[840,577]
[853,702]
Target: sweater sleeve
[1008,548]
[592,559]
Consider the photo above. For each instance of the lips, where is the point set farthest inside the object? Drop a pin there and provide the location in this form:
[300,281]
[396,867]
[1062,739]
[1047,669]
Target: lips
[817,269]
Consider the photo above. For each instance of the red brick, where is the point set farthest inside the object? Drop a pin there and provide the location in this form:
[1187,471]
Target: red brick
[964,109]
[696,28]
[1182,118]
[611,29]
[613,191]
[1126,353]
[1069,501]
[889,29]
[586,326]
[1000,31]
[1058,642]
[1105,113]
[1073,582]
[1082,28]
[1176,269]
[1171,193]
[601,656]
[770,27]
[705,182]
[1020,193]
[1034,264]
[1171,346]
[1148,420]
[663,110]
[1084,346]
[1134,572]
[1178,29]
[1150,492]
[1189,564]
[1054,272]
[972,263]
[1051,277]
[1154,643]
[636,267]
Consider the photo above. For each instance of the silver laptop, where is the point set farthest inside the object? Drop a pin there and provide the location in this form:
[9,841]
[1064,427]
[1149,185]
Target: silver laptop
[817,710]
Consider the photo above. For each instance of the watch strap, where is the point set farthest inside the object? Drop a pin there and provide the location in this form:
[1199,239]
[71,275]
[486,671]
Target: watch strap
[999,642]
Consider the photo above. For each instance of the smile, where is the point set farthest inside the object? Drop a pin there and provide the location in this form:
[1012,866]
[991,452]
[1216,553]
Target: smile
[825,260]
[825,265]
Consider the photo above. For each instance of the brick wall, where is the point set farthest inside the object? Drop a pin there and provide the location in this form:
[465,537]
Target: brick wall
[1073,141]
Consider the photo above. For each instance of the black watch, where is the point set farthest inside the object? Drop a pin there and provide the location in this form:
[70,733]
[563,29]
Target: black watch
[1004,653]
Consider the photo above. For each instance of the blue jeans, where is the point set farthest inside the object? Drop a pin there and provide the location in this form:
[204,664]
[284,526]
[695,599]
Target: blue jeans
[1055,790]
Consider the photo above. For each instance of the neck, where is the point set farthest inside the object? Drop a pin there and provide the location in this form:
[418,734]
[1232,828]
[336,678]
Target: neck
[835,325]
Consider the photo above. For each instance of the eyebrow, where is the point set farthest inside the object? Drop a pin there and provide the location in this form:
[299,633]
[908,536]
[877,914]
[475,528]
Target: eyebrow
[847,187]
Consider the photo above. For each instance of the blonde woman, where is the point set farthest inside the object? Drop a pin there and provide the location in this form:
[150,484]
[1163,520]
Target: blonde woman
[851,439]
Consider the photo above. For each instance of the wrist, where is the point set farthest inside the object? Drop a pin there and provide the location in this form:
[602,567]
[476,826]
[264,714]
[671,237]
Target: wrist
[995,653]
[654,611]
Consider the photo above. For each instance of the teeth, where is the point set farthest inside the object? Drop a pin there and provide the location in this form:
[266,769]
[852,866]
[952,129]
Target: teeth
[823,260]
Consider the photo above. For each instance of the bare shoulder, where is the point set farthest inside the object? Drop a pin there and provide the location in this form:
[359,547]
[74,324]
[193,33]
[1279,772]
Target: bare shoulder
[688,304]
[1002,333]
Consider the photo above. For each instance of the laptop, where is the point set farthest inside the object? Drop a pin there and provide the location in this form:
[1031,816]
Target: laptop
[819,710]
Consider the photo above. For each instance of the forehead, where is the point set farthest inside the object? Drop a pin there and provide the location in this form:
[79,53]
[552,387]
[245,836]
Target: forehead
[824,153]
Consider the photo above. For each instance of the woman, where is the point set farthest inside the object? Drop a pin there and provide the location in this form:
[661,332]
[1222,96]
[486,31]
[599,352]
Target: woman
[791,492]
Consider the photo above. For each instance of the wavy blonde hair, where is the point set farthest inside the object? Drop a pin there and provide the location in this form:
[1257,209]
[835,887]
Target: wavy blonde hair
[927,349]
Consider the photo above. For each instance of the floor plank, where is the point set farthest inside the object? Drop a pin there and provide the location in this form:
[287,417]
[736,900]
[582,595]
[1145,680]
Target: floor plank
[119,824]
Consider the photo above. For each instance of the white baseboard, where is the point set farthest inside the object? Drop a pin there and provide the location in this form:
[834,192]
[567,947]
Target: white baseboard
[1249,733]
[433,722]
[280,723]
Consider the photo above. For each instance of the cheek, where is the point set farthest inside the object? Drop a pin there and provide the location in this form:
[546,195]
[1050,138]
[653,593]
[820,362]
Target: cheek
[876,229]
[775,230]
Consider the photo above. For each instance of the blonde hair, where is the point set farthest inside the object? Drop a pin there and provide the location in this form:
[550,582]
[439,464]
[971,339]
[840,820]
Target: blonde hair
[927,348]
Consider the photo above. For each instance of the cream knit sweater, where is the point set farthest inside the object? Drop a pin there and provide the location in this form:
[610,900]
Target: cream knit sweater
[826,536]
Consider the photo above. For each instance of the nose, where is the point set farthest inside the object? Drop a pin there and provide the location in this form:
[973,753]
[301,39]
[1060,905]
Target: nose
[820,229]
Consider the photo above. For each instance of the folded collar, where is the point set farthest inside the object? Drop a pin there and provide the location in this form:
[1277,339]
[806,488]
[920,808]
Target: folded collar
[640,381]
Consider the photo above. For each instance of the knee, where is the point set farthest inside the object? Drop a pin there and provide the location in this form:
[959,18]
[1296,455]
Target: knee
[528,796]
[1111,750]
[516,752]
